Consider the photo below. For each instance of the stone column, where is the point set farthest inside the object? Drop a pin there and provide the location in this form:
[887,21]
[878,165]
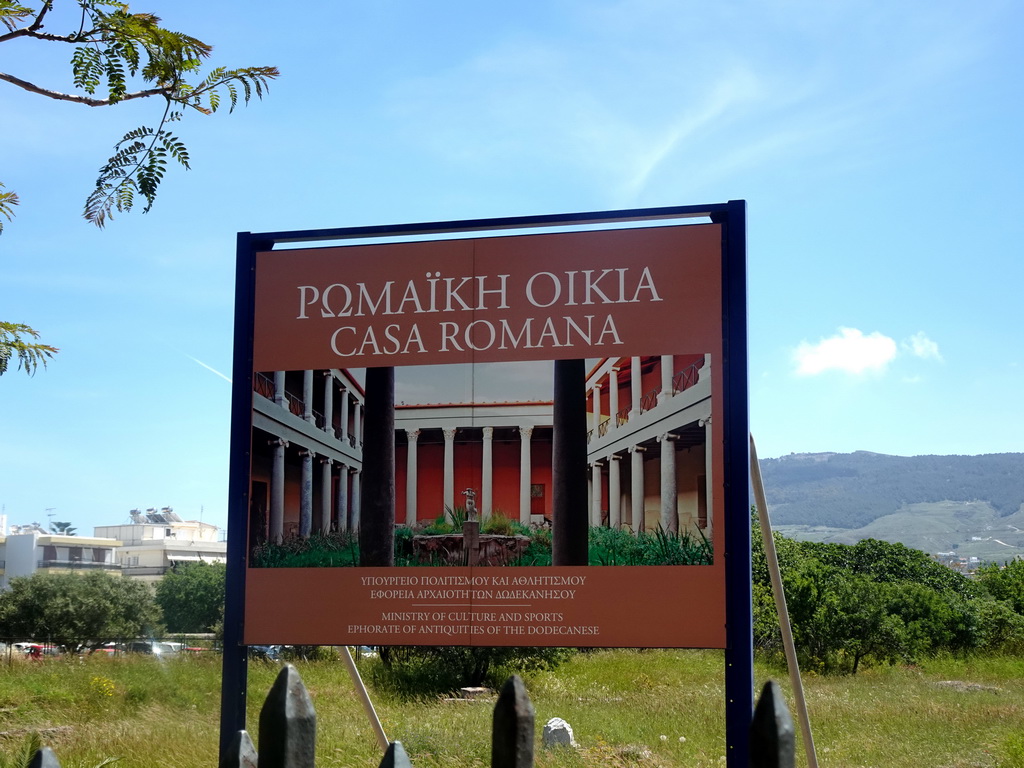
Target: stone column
[524,474]
[669,491]
[354,512]
[357,425]
[307,396]
[329,402]
[709,463]
[306,495]
[596,407]
[411,480]
[487,475]
[325,495]
[590,494]
[277,492]
[636,487]
[449,468]
[341,500]
[667,365]
[595,498]
[279,396]
[613,397]
[344,417]
[636,387]
[614,492]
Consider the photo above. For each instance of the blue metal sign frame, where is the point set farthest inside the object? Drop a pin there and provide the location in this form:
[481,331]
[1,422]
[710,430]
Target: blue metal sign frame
[739,676]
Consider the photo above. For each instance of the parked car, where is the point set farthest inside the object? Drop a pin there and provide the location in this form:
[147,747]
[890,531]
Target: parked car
[266,652]
[151,647]
[36,650]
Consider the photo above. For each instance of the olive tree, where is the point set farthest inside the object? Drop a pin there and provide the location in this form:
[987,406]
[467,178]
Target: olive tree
[191,597]
[78,611]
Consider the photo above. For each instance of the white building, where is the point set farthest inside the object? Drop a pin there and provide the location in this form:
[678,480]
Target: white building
[36,551]
[156,541]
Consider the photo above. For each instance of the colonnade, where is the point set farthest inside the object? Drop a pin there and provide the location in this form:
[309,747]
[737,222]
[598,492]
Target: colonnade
[609,468]
[338,428]
[621,425]
[486,493]
[328,447]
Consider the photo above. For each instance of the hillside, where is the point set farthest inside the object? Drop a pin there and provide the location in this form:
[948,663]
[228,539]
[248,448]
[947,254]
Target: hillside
[971,504]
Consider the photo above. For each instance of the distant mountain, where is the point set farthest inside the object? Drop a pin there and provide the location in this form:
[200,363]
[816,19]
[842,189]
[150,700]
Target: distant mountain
[849,490]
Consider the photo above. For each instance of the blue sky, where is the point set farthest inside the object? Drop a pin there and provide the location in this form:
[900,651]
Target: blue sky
[878,146]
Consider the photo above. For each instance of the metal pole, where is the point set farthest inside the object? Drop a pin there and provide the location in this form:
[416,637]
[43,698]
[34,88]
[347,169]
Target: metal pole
[732,430]
[235,672]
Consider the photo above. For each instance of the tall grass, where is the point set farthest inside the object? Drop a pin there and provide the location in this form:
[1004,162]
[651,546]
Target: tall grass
[951,712]
[618,546]
[606,546]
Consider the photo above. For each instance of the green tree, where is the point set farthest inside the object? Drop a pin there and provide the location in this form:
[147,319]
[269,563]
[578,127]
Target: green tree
[116,56]
[886,561]
[870,602]
[1001,629]
[1005,582]
[191,597]
[77,611]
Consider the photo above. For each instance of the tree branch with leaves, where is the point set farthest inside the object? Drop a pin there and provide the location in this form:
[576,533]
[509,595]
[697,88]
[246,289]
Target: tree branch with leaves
[113,49]
[120,56]
[18,340]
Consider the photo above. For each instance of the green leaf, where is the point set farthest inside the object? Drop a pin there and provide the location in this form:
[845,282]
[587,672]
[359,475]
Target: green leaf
[11,13]
[17,340]
[7,201]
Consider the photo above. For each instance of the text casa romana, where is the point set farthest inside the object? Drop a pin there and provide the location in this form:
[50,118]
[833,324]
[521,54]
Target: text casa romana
[445,313]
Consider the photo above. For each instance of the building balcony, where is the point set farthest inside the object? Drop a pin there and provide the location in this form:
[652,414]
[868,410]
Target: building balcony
[77,565]
[144,570]
[688,401]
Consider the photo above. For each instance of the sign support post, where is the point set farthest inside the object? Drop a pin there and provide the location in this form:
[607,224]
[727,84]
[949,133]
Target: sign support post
[739,651]
[235,671]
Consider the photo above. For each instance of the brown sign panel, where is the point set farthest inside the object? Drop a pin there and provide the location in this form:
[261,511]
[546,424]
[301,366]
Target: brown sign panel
[530,297]
[643,305]
[613,606]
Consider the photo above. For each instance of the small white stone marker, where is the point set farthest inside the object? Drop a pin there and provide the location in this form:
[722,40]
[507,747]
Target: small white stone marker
[557,733]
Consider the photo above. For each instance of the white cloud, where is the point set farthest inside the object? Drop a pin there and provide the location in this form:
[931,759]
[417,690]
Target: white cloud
[921,346]
[850,350]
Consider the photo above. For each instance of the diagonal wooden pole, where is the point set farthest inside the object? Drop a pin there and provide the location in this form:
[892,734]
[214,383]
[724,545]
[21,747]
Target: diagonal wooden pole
[364,697]
[780,605]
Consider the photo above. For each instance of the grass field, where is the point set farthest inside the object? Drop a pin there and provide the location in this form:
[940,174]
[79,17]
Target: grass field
[627,708]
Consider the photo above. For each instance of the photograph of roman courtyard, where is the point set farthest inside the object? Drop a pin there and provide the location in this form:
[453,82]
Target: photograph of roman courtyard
[463,464]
